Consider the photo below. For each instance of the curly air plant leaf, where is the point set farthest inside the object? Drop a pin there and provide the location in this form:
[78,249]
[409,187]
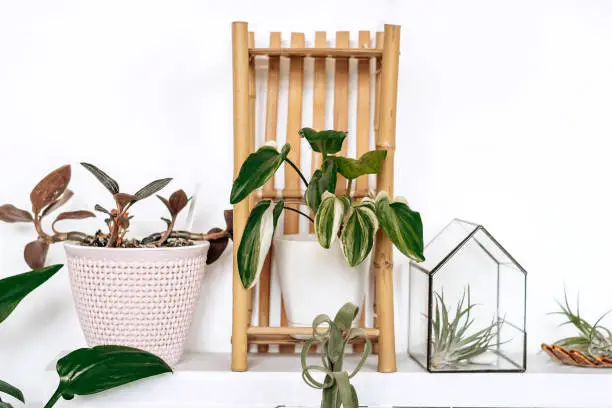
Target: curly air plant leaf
[89,371]
[8,389]
[591,347]
[452,344]
[333,337]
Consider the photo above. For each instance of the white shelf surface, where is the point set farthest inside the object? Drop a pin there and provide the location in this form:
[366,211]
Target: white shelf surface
[204,380]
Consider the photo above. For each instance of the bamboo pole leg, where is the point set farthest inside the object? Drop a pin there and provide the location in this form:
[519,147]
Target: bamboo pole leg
[240,306]
[383,260]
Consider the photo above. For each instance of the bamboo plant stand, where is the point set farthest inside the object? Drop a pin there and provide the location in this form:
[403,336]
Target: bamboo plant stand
[385,56]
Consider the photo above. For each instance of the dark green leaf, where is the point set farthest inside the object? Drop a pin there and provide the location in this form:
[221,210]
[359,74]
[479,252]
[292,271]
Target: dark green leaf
[256,170]
[324,142]
[152,188]
[322,180]
[256,240]
[402,225]
[89,371]
[14,288]
[110,184]
[11,390]
[10,213]
[368,163]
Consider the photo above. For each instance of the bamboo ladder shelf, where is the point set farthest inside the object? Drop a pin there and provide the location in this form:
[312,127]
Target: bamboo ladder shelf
[385,55]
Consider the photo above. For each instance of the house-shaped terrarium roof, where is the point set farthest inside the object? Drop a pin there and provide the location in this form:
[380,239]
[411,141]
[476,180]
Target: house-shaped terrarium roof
[457,235]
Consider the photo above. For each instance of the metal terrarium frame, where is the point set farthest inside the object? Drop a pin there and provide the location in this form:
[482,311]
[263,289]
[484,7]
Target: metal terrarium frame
[385,56]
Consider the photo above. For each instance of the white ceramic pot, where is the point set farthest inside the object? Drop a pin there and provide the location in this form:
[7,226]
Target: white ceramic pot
[315,280]
[137,297]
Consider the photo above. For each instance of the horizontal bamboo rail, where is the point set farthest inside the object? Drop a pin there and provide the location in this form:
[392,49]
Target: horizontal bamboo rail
[290,341]
[352,53]
[293,194]
[294,331]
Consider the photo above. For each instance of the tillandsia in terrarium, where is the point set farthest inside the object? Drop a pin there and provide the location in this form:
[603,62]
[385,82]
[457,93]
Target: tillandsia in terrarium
[454,343]
[52,193]
[590,347]
[336,215]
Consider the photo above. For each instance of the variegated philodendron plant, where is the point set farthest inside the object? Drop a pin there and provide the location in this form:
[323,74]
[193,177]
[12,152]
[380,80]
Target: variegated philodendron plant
[353,223]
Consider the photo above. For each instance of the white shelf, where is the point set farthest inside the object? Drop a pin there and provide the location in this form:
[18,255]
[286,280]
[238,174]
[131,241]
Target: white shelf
[204,380]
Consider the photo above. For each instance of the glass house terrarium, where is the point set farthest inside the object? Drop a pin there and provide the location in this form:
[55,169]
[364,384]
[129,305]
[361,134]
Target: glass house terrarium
[467,304]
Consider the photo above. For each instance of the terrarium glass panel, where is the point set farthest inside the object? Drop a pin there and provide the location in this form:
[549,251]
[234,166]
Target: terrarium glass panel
[467,304]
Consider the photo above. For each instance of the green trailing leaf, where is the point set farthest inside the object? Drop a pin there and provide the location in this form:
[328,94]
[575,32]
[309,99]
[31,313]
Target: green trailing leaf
[322,180]
[257,239]
[402,225]
[14,288]
[334,336]
[368,163]
[359,231]
[89,371]
[11,390]
[325,141]
[329,218]
[257,169]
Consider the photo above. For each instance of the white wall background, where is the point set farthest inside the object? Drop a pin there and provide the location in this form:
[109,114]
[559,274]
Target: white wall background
[503,119]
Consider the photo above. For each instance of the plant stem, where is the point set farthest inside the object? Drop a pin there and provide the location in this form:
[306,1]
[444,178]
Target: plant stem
[296,169]
[349,186]
[166,234]
[54,398]
[299,212]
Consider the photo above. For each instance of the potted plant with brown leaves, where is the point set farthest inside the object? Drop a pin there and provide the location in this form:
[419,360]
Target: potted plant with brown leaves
[138,293]
[330,265]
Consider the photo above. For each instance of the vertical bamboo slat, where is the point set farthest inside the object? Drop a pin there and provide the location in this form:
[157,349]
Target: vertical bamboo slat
[240,63]
[294,123]
[341,96]
[252,96]
[380,40]
[271,122]
[383,261]
[319,95]
[363,131]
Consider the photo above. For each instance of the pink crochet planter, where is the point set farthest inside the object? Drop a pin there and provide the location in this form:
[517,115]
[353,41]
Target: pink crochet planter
[143,298]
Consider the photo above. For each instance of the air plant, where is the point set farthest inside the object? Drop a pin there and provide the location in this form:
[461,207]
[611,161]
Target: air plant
[52,193]
[336,217]
[451,344]
[333,337]
[592,340]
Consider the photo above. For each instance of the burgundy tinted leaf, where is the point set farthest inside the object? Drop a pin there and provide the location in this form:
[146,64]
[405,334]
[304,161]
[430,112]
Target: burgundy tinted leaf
[124,199]
[167,221]
[229,222]
[108,182]
[166,203]
[123,221]
[35,254]
[98,207]
[217,247]
[58,203]
[10,213]
[50,188]
[152,188]
[74,215]
[178,201]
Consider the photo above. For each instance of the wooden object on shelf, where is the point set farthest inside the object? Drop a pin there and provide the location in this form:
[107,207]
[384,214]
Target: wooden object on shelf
[377,67]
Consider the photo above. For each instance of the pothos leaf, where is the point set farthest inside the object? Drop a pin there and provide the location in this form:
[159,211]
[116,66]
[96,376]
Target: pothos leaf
[329,218]
[50,188]
[256,170]
[358,232]
[402,225]
[321,181]
[35,254]
[368,163]
[324,141]
[89,371]
[11,390]
[257,239]
[108,182]
[10,213]
[152,188]
[14,288]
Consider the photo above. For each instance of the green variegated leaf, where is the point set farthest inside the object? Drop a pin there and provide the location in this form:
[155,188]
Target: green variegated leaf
[324,141]
[368,163]
[322,180]
[402,225]
[329,218]
[256,240]
[89,371]
[358,233]
[11,390]
[14,288]
[256,170]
